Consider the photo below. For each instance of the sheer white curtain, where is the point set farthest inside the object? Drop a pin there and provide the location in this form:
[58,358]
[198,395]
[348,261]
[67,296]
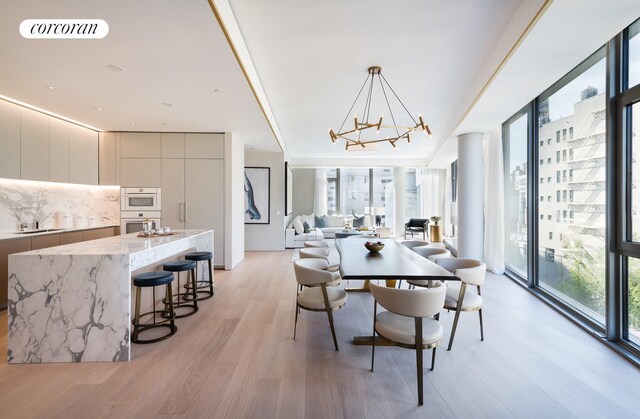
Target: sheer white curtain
[320,197]
[494,202]
[433,185]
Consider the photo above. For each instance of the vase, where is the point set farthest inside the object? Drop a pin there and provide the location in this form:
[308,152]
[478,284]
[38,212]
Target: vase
[435,233]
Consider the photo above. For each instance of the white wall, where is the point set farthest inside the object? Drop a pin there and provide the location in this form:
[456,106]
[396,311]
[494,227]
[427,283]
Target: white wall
[234,204]
[268,236]
[303,191]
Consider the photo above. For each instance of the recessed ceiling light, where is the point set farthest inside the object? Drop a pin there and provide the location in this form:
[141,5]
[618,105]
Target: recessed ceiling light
[257,139]
[163,123]
[133,124]
[167,104]
[98,109]
[217,90]
[197,125]
[115,67]
[50,87]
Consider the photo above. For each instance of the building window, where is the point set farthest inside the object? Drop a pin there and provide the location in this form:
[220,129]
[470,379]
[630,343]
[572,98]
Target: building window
[551,235]
[564,196]
[558,156]
[570,195]
[564,134]
[541,180]
[564,175]
[549,217]
[548,179]
[541,161]
[549,141]
[541,217]
[571,133]
[564,213]
[557,196]
[557,136]
[549,160]
[564,155]
[542,199]
[558,176]
[541,143]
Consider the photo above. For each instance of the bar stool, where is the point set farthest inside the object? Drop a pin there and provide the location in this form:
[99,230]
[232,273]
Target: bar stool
[154,279]
[181,300]
[202,287]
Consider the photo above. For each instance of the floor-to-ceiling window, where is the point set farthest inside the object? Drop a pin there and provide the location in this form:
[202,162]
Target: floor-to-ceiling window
[584,219]
[571,171]
[629,118]
[516,193]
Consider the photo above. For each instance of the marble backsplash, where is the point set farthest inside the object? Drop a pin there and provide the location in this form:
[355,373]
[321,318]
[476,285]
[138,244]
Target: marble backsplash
[57,205]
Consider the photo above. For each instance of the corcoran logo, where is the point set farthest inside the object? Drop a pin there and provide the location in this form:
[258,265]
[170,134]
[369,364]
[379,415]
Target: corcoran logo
[64,28]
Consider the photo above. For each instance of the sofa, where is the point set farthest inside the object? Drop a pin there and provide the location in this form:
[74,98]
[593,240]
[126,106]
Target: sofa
[311,227]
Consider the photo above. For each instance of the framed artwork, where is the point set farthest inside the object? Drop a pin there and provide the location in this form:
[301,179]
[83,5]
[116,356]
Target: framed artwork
[288,189]
[257,195]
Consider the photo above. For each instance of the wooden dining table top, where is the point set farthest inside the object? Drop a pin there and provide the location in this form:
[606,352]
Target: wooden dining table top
[395,261]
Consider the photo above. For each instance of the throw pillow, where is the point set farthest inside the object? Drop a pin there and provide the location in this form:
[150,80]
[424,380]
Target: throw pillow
[358,221]
[308,219]
[319,221]
[333,221]
[306,227]
[297,225]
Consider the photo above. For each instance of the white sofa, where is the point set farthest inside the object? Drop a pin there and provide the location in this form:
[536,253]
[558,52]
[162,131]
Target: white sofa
[331,224]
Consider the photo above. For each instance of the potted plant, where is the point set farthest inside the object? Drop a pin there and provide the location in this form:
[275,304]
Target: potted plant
[435,231]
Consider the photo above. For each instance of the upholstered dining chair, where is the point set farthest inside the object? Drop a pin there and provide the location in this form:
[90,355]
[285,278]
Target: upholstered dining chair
[316,243]
[320,253]
[410,244]
[323,265]
[432,253]
[459,297]
[315,295]
[411,321]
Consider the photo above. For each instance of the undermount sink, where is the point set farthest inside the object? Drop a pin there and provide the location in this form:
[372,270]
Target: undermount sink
[39,231]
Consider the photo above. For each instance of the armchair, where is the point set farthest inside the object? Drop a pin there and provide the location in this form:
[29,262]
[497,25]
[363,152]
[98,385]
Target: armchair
[416,225]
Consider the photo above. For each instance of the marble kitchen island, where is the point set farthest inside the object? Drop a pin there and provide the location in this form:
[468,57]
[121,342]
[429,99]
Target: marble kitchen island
[72,303]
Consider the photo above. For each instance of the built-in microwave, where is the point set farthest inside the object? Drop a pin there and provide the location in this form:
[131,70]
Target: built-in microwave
[140,199]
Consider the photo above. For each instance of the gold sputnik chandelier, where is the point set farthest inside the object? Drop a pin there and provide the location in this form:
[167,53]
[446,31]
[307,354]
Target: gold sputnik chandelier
[357,137]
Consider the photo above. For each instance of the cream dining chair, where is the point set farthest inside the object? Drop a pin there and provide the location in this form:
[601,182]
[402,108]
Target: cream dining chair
[410,244]
[316,243]
[320,253]
[411,321]
[315,295]
[459,298]
[432,253]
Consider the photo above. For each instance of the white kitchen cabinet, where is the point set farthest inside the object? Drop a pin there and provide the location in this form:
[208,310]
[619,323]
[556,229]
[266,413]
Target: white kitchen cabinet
[204,146]
[34,145]
[59,160]
[91,143]
[9,140]
[193,197]
[143,173]
[107,158]
[204,198]
[172,146]
[173,193]
[140,145]
[77,155]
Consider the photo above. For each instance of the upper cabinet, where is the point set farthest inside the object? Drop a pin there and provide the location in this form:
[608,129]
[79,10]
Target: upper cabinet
[9,140]
[35,146]
[204,146]
[140,145]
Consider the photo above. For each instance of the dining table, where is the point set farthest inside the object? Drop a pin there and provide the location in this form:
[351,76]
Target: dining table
[394,262]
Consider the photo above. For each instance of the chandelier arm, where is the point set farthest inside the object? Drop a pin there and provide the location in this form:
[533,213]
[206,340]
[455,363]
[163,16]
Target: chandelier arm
[365,115]
[394,93]
[354,103]
[388,106]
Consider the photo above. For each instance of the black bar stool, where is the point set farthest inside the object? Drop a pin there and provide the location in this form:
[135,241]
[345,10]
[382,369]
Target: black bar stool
[203,287]
[154,279]
[181,299]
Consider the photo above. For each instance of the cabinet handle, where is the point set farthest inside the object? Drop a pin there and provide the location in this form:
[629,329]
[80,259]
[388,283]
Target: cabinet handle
[181,216]
[186,213]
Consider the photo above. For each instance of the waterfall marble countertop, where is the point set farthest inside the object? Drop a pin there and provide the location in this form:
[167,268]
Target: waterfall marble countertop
[13,236]
[72,303]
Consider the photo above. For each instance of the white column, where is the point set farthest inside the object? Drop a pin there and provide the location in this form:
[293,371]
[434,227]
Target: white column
[470,196]
[400,185]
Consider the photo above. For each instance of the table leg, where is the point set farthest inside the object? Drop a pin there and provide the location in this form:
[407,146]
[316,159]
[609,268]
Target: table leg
[365,287]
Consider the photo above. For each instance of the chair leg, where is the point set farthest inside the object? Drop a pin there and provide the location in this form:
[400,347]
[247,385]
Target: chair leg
[400,284]
[453,330]
[419,351]
[481,330]
[373,334]
[433,358]
[295,323]
[327,307]
[210,277]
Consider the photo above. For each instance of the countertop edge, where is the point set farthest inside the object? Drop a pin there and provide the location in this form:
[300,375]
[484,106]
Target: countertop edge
[14,236]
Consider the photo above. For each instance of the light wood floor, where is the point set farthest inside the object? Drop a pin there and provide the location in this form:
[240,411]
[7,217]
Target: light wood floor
[236,358]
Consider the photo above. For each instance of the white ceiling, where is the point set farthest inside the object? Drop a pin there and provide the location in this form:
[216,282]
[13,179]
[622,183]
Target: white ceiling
[312,57]
[306,62]
[172,51]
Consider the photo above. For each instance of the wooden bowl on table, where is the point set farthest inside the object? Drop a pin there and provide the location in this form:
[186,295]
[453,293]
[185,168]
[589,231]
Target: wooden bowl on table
[374,247]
